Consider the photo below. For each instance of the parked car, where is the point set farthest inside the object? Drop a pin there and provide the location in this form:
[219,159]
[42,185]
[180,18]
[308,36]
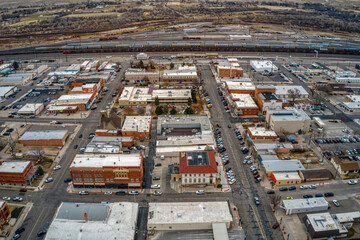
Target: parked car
[352,182]
[80,136]
[292,188]
[283,189]
[57,167]
[308,196]
[200,192]
[275,226]
[20,230]
[256,200]
[319,195]
[289,198]
[155,186]
[336,203]
[270,192]
[156,178]
[312,186]
[156,193]
[133,193]
[108,193]
[66,180]
[50,179]
[41,233]
[16,236]
[23,190]
[120,193]
[303,187]
[17,199]
[83,193]
[158,165]
[75,146]
[329,194]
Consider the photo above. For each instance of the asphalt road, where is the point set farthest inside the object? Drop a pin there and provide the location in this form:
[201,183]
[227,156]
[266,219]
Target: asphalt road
[256,220]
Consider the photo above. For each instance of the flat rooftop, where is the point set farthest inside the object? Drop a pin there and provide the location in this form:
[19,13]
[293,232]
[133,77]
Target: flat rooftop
[178,72]
[243,100]
[288,115]
[185,121]
[197,162]
[16,77]
[70,97]
[114,140]
[137,124]
[188,212]
[106,160]
[284,90]
[305,203]
[286,176]
[171,93]
[105,221]
[232,85]
[186,140]
[268,96]
[14,167]
[283,166]
[261,131]
[30,107]
[322,222]
[354,98]
[4,90]
[263,64]
[44,135]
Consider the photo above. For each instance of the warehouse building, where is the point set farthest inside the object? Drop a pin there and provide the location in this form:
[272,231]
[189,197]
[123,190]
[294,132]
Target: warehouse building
[107,170]
[41,69]
[186,125]
[324,226]
[284,92]
[6,91]
[16,79]
[17,172]
[312,175]
[181,76]
[261,133]
[31,109]
[185,216]
[240,87]
[282,166]
[286,178]
[93,221]
[81,101]
[138,127]
[295,206]
[263,66]
[288,120]
[44,138]
[229,68]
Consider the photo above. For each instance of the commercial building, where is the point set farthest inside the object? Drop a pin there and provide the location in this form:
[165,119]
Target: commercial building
[229,68]
[185,216]
[266,98]
[41,69]
[79,88]
[288,120]
[351,106]
[108,142]
[324,226]
[138,127]
[291,92]
[286,178]
[93,221]
[181,76]
[4,214]
[239,87]
[263,66]
[198,169]
[282,166]
[17,172]
[142,96]
[44,138]
[100,78]
[141,75]
[243,104]
[295,206]
[311,175]
[261,133]
[186,125]
[31,109]
[7,91]
[345,167]
[16,79]
[81,101]
[107,170]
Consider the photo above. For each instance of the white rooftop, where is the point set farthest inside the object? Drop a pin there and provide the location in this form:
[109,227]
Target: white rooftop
[106,160]
[352,105]
[354,98]
[70,97]
[188,212]
[186,72]
[243,100]
[301,203]
[261,131]
[186,140]
[347,217]
[14,167]
[322,222]
[231,85]
[286,175]
[263,64]
[288,115]
[5,90]
[106,221]
[176,149]
[30,107]
[284,90]
[137,123]
[173,93]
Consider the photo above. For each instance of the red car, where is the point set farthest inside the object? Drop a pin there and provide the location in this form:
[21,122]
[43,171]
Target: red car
[23,190]
[218,125]
[256,176]
[275,226]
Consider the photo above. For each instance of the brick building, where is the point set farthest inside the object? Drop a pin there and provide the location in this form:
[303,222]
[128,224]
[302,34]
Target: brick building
[186,74]
[44,138]
[239,87]
[107,170]
[141,75]
[17,172]
[4,213]
[266,98]
[229,68]
[261,133]
[243,104]
[137,127]
[79,88]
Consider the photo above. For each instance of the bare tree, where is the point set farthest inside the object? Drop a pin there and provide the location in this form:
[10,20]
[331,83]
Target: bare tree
[275,200]
[293,95]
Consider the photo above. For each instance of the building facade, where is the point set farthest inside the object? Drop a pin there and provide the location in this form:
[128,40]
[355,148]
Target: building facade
[17,172]
[138,127]
[4,213]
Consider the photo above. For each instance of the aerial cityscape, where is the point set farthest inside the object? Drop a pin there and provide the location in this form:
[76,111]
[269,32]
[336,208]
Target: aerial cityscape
[184,120]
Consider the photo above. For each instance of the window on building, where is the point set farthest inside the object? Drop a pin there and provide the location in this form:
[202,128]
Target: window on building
[185,180]
[107,180]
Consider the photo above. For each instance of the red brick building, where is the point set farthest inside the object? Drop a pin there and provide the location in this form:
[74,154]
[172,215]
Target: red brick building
[4,213]
[137,127]
[17,172]
[44,138]
[107,170]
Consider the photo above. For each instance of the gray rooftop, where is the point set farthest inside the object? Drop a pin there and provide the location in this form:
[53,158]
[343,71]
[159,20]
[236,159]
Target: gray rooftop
[72,211]
[5,90]
[44,135]
[283,166]
[197,159]
[186,121]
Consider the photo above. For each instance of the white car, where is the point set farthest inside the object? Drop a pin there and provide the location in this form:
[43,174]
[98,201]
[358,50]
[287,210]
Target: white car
[156,193]
[53,122]
[352,182]
[248,157]
[133,193]
[57,167]
[200,192]
[155,186]
[7,198]
[336,203]
[50,179]
[108,193]
[312,186]
[303,187]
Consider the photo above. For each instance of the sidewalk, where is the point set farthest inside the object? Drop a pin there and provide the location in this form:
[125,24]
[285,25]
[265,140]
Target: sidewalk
[19,221]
